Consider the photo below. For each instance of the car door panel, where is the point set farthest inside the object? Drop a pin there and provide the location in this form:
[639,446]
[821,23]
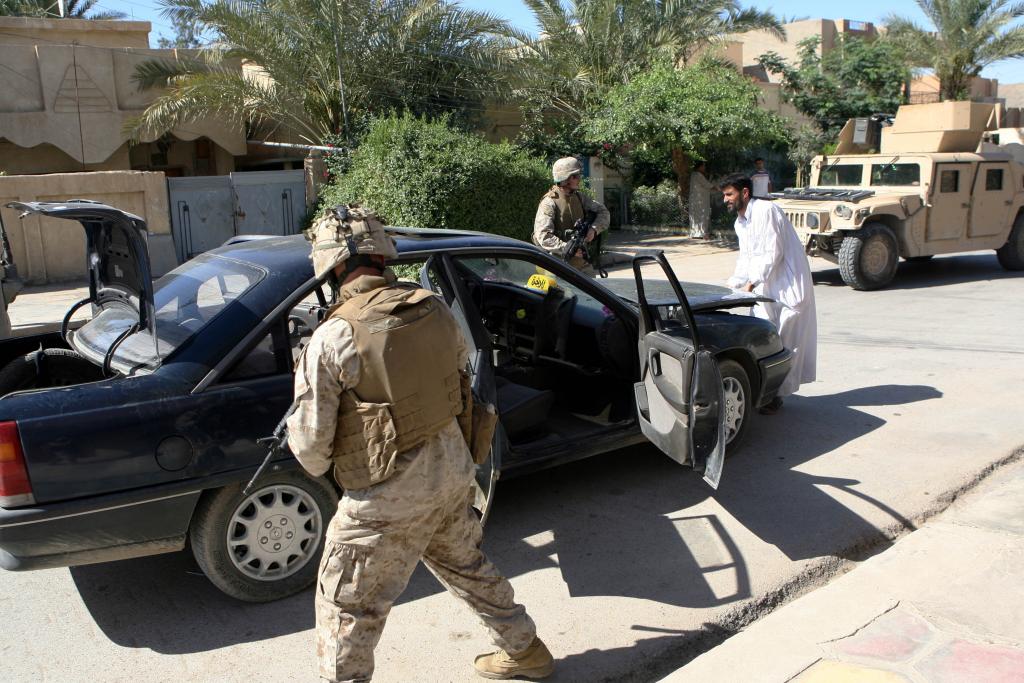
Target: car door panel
[680,398]
[437,275]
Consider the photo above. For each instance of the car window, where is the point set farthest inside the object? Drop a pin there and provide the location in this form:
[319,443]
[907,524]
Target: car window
[895,174]
[949,181]
[841,174]
[261,361]
[528,276]
[186,299]
[993,179]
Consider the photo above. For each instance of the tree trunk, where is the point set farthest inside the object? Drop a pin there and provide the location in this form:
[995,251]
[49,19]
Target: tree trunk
[681,165]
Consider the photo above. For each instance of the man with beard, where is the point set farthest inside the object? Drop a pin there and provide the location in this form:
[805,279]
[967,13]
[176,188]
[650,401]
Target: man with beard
[772,263]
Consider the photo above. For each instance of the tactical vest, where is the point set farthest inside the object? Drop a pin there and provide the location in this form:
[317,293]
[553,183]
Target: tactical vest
[568,208]
[409,381]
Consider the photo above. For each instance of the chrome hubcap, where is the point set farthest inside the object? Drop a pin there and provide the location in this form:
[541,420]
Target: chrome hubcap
[735,406]
[274,532]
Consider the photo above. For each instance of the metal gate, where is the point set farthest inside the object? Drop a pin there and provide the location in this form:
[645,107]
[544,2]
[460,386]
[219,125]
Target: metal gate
[208,210]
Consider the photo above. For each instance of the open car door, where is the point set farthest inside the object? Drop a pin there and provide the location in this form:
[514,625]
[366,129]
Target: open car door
[438,275]
[680,399]
[117,258]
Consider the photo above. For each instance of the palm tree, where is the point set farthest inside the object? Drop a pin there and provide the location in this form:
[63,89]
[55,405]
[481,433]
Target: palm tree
[968,35]
[50,9]
[424,56]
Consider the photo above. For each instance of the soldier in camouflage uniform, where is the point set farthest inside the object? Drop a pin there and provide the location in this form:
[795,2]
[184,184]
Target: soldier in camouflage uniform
[559,210]
[380,387]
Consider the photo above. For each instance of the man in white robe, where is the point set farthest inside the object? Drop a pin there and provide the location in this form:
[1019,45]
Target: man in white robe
[772,263]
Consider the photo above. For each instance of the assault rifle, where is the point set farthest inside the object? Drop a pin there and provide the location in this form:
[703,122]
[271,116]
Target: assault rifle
[576,239]
[275,443]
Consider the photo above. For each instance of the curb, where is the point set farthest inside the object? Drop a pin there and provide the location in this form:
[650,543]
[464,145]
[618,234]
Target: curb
[714,633]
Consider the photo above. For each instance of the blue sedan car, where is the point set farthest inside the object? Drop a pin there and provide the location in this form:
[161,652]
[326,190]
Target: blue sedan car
[134,433]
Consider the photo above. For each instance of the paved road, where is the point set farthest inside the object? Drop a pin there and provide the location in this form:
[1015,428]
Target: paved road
[628,563]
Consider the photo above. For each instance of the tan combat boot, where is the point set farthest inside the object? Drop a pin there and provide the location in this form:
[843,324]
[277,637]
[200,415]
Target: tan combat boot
[533,662]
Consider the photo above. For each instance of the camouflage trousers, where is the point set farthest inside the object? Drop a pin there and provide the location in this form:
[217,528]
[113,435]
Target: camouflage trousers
[374,542]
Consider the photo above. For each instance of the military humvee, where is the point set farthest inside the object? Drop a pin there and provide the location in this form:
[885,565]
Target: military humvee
[864,211]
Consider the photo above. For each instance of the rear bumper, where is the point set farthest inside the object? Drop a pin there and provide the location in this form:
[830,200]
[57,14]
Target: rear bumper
[773,372]
[99,529]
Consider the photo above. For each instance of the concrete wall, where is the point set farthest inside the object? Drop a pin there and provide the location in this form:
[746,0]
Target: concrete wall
[29,31]
[924,89]
[757,43]
[773,101]
[53,250]
[1013,93]
[68,84]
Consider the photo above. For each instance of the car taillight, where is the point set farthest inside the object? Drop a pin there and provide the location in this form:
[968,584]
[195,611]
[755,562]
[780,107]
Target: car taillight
[15,488]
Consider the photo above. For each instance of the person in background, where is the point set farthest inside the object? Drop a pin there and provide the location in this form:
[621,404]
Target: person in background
[561,207]
[700,202]
[761,179]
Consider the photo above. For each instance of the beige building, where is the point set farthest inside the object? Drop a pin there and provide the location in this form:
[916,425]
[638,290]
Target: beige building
[924,88]
[67,93]
[757,43]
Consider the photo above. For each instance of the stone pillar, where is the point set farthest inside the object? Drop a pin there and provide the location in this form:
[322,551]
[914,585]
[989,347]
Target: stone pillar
[316,175]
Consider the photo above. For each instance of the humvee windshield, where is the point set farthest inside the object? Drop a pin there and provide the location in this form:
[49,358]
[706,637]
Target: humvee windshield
[895,174]
[841,174]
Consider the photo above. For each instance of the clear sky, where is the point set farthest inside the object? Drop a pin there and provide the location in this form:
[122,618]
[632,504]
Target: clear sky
[515,11]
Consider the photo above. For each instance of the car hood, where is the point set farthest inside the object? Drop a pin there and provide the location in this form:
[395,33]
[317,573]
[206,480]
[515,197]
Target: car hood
[701,296]
[117,257]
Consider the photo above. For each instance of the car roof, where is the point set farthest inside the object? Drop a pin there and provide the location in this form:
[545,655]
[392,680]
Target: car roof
[932,156]
[287,252]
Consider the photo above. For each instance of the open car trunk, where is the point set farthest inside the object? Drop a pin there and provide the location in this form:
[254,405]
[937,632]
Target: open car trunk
[120,288]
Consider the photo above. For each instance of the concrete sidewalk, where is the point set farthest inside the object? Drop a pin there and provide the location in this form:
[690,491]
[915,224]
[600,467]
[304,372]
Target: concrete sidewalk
[40,309]
[944,604]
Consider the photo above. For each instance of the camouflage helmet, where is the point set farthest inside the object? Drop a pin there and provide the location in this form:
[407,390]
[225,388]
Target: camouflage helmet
[342,231]
[566,167]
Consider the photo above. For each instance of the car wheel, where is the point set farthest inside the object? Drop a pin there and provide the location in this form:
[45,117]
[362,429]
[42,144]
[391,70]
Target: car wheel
[1011,254]
[868,257]
[266,545]
[739,403]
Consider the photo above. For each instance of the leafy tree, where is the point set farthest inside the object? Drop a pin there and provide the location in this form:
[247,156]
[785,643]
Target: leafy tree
[699,110]
[586,47]
[968,35]
[50,9]
[428,174]
[188,34]
[424,56]
[854,78]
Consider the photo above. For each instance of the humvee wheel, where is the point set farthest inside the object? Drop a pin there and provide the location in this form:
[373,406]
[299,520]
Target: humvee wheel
[1011,254]
[868,257]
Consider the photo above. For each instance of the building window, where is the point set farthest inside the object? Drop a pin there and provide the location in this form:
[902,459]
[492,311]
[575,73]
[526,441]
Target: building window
[994,179]
[949,181]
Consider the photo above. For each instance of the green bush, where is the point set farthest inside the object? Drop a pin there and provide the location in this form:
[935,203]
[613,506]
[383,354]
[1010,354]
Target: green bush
[425,174]
[656,205]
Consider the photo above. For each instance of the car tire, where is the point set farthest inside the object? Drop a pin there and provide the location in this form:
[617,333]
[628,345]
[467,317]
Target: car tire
[1011,254]
[739,403]
[868,257]
[47,368]
[260,567]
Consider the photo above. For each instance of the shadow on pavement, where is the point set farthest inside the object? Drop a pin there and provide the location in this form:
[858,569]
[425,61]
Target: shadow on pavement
[166,604]
[941,270]
[614,525]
